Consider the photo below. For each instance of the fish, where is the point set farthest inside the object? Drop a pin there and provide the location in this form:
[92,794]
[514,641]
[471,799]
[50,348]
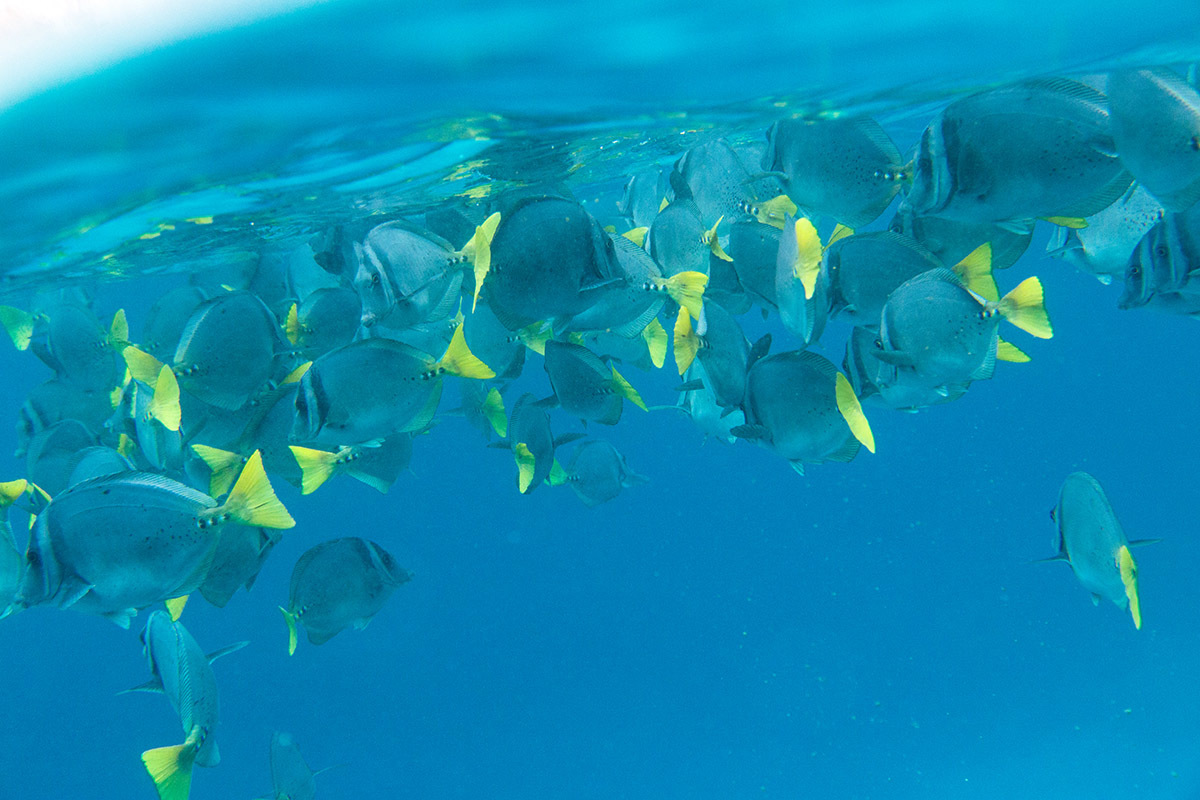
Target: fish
[626,308]
[328,318]
[1162,266]
[183,673]
[96,462]
[598,472]
[1036,148]
[643,193]
[584,386]
[405,275]
[713,176]
[1156,129]
[495,345]
[67,337]
[12,563]
[953,240]
[754,247]
[722,348]
[699,402]
[291,777]
[874,381]
[374,388]
[846,168]
[166,319]
[532,443]
[157,417]
[1104,245]
[119,543]
[801,287]
[863,269]
[53,453]
[799,406]
[54,401]
[239,556]
[935,329]
[377,464]
[680,242]
[483,408]
[338,584]
[1092,541]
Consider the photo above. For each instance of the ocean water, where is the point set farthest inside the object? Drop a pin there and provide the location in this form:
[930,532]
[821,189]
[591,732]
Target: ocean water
[729,629]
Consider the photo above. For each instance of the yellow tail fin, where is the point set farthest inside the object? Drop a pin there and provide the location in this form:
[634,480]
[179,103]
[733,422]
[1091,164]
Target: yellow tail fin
[19,325]
[223,466]
[481,257]
[171,767]
[687,289]
[714,244]
[558,476]
[1007,351]
[851,410]
[1024,307]
[637,235]
[663,205]
[687,343]
[535,337]
[142,366]
[118,331]
[525,465]
[165,405]
[315,467]
[774,212]
[291,620]
[493,412]
[125,446]
[292,326]
[840,232]
[459,360]
[1129,578]
[976,272]
[253,501]
[175,607]
[656,342]
[1075,223]
[11,491]
[625,388]
[295,375]
[808,256]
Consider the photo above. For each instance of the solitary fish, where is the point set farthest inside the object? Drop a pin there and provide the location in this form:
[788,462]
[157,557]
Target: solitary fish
[338,584]
[291,777]
[1092,541]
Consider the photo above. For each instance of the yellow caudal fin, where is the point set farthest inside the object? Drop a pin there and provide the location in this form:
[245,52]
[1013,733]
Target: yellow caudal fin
[165,405]
[525,465]
[171,767]
[840,232]
[687,343]
[480,248]
[687,289]
[663,205]
[118,331]
[175,607]
[851,410]
[295,375]
[1075,223]
[714,244]
[292,326]
[656,342]
[253,501]
[493,412]
[125,446]
[976,272]
[808,256]
[19,325]
[222,465]
[11,491]
[637,235]
[1024,307]
[460,361]
[626,390]
[774,212]
[558,476]
[142,366]
[1007,351]
[535,337]
[315,467]
[291,620]
[1129,577]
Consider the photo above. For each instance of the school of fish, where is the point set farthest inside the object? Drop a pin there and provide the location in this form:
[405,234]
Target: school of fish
[150,457]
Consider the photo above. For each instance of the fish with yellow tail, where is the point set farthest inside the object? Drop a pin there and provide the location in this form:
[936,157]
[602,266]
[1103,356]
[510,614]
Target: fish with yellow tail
[377,464]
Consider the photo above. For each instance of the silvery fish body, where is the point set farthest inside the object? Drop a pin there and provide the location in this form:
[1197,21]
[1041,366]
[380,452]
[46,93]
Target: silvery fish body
[328,318]
[226,352]
[405,275]
[754,247]
[702,406]
[625,308]
[644,192]
[70,340]
[724,353]
[582,383]
[598,472]
[291,777]
[1035,148]
[1103,248]
[96,462]
[716,180]
[677,239]
[167,318]
[804,317]
[876,382]
[1089,536]
[1162,271]
[529,424]
[187,680]
[494,344]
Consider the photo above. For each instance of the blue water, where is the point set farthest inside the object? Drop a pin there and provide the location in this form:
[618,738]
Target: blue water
[728,630]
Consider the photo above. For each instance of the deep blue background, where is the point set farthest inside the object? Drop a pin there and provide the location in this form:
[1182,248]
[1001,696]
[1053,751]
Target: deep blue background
[729,630]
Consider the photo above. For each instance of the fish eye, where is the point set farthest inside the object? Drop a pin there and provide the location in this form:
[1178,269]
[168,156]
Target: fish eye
[879,344]
[375,279]
[1135,270]
[1160,251]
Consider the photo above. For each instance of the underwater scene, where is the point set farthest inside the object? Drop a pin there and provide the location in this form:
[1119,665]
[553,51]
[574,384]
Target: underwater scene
[653,400]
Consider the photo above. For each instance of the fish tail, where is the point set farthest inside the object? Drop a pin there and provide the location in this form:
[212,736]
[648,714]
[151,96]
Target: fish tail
[12,491]
[18,324]
[535,337]
[316,467]
[775,211]
[481,255]
[118,331]
[687,290]
[291,619]
[526,462]
[1129,578]
[1071,223]
[807,266]
[171,767]
[840,232]
[223,466]
[493,412]
[687,343]
[165,405]
[714,243]
[253,501]
[655,337]
[142,366]
[558,476]
[976,272]
[292,326]
[625,388]
[637,235]
[175,607]
[295,375]
[460,361]
[1007,351]
[851,410]
[1024,307]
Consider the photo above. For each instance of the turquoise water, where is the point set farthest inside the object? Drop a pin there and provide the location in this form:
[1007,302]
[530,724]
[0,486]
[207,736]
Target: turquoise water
[728,630]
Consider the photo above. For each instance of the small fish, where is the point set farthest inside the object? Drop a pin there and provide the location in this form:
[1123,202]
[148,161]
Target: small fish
[1104,246]
[68,337]
[597,473]
[1091,540]
[1031,149]
[291,777]
[377,464]
[845,167]
[327,318]
[680,241]
[584,386]
[183,673]
[339,584]
[1156,128]
[532,443]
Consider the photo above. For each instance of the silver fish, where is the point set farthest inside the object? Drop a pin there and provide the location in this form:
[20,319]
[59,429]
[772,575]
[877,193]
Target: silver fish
[1103,247]
[625,308]
[406,275]
[327,318]
[291,777]
[802,313]
[1161,271]
[226,353]
[598,472]
[584,386]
